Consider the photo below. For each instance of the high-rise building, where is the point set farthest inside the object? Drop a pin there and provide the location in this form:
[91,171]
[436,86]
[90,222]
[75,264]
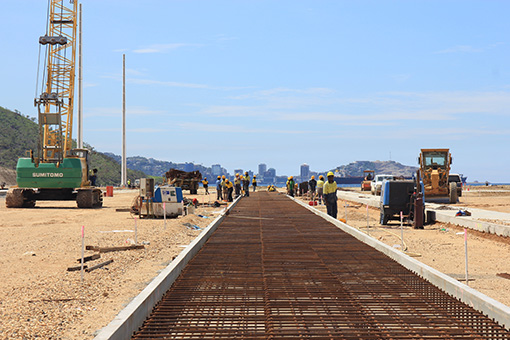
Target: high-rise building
[262,169]
[305,171]
[216,170]
[271,172]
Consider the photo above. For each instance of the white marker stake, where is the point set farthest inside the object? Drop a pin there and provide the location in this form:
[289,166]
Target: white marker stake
[402,229]
[136,233]
[466,251]
[164,213]
[82,249]
[368,226]
[345,205]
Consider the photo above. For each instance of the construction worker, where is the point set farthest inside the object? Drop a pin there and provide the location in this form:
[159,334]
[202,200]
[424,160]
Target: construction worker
[230,190]
[224,188]
[290,186]
[330,199]
[237,185]
[205,183]
[312,184]
[246,184]
[320,185]
[254,183]
[129,183]
[219,196]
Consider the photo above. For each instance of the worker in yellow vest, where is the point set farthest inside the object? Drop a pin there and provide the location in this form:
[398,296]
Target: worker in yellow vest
[246,184]
[320,186]
[230,190]
[224,188]
[329,192]
[237,185]
[205,183]
[254,183]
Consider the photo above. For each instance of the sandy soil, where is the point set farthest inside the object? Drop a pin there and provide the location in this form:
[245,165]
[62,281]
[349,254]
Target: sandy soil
[39,298]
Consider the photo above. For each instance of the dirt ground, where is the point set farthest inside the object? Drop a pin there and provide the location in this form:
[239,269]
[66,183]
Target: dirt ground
[40,299]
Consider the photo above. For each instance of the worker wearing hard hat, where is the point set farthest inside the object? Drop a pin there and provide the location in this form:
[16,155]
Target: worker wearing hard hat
[230,190]
[320,186]
[290,186]
[312,185]
[246,184]
[237,185]
[219,196]
[330,199]
[254,183]
[224,187]
[205,183]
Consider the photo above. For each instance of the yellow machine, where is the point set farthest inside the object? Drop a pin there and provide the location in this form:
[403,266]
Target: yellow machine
[368,176]
[56,171]
[434,170]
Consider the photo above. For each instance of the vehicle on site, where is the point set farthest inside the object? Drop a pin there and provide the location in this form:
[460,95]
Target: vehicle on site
[402,197]
[375,185]
[368,176]
[457,179]
[56,171]
[434,169]
[184,180]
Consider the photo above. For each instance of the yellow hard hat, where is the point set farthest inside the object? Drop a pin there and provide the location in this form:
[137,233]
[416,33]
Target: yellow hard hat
[205,177]
[219,177]
[223,176]
[331,174]
[291,177]
[254,176]
[321,177]
[226,180]
[237,175]
[313,177]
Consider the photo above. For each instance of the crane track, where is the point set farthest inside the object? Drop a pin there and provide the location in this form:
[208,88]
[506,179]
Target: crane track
[274,270]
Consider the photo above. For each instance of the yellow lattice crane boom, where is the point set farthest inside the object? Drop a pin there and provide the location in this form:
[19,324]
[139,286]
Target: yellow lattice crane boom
[57,172]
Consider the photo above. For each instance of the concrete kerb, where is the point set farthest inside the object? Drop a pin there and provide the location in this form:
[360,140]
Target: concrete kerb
[473,298]
[134,314]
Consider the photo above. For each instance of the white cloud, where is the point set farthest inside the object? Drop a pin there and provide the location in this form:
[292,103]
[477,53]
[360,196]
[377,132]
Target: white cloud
[117,111]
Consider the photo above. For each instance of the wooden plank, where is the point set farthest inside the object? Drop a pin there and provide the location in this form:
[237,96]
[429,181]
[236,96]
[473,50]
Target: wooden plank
[89,258]
[102,264]
[76,268]
[109,249]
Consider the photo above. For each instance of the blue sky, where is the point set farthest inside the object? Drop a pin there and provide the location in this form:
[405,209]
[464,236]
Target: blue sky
[285,82]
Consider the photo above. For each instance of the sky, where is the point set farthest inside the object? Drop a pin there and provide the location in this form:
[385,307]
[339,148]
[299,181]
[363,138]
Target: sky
[284,82]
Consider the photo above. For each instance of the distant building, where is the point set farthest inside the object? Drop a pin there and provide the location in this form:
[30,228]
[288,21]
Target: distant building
[250,173]
[216,170]
[271,172]
[305,171]
[238,171]
[262,169]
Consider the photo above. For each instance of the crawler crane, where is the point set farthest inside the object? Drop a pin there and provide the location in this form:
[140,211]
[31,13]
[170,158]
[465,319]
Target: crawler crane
[56,171]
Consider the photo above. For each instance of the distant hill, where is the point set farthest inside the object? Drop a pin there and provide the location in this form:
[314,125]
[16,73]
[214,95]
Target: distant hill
[20,133]
[380,167]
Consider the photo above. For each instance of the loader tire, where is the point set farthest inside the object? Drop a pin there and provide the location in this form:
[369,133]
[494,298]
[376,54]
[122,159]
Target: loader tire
[14,198]
[97,198]
[84,199]
[453,193]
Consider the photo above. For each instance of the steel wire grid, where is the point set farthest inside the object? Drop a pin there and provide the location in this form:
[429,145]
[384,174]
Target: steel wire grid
[274,270]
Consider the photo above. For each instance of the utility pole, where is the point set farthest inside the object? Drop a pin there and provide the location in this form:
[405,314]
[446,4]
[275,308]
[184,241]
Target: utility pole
[80,89]
[123,180]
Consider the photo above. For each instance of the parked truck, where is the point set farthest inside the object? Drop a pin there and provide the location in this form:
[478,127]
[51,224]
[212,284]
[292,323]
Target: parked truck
[184,180]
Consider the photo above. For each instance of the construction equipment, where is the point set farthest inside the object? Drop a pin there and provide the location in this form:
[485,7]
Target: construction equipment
[56,171]
[368,176]
[184,180]
[434,171]
[157,202]
[402,197]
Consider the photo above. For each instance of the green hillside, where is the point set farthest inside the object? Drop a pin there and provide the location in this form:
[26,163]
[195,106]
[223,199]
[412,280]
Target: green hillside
[20,133]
